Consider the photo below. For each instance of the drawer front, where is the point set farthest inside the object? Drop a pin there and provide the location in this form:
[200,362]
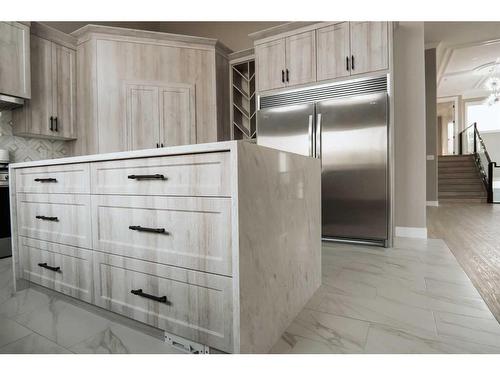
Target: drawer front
[189,232]
[62,268]
[60,218]
[193,175]
[67,178]
[194,305]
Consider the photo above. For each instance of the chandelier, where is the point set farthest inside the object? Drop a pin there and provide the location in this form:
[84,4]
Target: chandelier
[493,85]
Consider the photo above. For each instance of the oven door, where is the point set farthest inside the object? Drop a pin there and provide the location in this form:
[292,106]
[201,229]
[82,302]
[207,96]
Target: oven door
[5,246]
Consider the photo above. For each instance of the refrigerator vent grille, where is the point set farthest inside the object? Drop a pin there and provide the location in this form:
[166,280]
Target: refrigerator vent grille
[337,90]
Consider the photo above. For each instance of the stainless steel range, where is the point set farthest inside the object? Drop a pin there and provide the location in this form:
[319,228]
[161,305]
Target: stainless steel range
[5,244]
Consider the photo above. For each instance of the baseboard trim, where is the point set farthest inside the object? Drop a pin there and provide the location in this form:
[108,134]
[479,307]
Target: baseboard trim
[411,232]
[432,203]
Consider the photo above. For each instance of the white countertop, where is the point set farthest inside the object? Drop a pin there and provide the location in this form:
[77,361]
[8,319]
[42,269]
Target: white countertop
[174,150]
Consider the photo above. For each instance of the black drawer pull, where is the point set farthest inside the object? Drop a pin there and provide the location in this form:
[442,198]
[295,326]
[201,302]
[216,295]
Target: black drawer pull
[45,180]
[145,229]
[44,265]
[146,177]
[48,218]
[138,292]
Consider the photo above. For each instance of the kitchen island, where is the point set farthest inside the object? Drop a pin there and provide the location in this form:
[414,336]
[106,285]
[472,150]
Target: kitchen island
[217,243]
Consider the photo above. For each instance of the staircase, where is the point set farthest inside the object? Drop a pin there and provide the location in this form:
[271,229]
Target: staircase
[459,180]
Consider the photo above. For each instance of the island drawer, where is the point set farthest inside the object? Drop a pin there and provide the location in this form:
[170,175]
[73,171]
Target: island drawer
[190,175]
[62,268]
[191,304]
[65,178]
[60,218]
[189,232]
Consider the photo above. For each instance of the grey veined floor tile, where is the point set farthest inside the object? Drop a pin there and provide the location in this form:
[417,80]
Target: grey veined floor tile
[387,340]
[119,339]
[24,301]
[317,332]
[63,323]
[476,330]
[11,331]
[33,344]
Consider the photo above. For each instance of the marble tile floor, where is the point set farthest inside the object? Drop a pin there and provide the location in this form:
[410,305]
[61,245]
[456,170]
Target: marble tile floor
[38,321]
[412,298]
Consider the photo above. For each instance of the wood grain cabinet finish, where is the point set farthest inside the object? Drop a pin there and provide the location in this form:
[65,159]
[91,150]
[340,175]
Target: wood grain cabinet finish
[138,90]
[321,52]
[60,218]
[369,46]
[286,62]
[217,243]
[195,305]
[62,268]
[51,112]
[160,115]
[300,58]
[189,175]
[65,178]
[270,65]
[15,59]
[188,232]
[333,51]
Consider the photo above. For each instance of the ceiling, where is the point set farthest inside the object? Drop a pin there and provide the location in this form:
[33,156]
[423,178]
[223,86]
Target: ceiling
[466,51]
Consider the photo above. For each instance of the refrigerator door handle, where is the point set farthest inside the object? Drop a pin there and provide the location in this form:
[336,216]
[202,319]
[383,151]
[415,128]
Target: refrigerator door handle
[310,130]
[318,135]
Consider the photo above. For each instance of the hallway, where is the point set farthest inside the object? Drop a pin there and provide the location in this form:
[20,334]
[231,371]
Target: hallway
[472,232]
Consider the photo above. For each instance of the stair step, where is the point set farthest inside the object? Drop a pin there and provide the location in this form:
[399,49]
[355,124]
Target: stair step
[462,200]
[468,194]
[457,169]
[445,180]
[455,157]
[448,164]
[461,188]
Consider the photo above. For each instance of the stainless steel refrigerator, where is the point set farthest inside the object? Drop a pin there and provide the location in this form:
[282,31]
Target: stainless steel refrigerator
[345,125]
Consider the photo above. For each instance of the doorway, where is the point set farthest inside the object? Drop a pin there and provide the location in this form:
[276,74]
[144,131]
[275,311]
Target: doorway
[447,129]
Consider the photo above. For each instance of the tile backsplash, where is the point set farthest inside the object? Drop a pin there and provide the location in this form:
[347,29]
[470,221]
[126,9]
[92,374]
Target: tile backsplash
[28,149]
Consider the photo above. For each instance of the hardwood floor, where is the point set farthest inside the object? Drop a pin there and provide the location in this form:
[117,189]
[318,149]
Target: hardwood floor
[472,232]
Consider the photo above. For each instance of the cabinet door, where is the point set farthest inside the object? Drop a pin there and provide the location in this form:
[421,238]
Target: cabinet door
[15,59]
[333,51]
[300,58]
[142,116]
[369,46]
[177,116]
[64,90]
[270,60]
[40,105]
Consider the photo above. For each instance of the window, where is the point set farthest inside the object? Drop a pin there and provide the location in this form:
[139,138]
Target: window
[487,117]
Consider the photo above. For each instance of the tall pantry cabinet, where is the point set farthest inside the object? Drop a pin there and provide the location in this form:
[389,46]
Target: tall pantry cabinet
[142,89]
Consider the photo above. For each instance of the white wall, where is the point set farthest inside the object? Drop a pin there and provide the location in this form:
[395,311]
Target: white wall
[409,130]
[492,142]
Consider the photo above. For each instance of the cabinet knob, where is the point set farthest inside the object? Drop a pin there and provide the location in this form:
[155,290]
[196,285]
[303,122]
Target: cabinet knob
[352,62]
[51,127]
[287,75]
[282,76]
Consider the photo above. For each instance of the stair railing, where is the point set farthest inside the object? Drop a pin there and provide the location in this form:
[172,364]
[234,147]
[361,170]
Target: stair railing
[471,143]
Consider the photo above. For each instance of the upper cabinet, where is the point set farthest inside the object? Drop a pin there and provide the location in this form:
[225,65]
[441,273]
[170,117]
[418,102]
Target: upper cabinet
[270,61]
[333,51]
[51,112]
[286,61]
[323,52]
[300,58]
[369,47]
[15,59]
[139,90]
